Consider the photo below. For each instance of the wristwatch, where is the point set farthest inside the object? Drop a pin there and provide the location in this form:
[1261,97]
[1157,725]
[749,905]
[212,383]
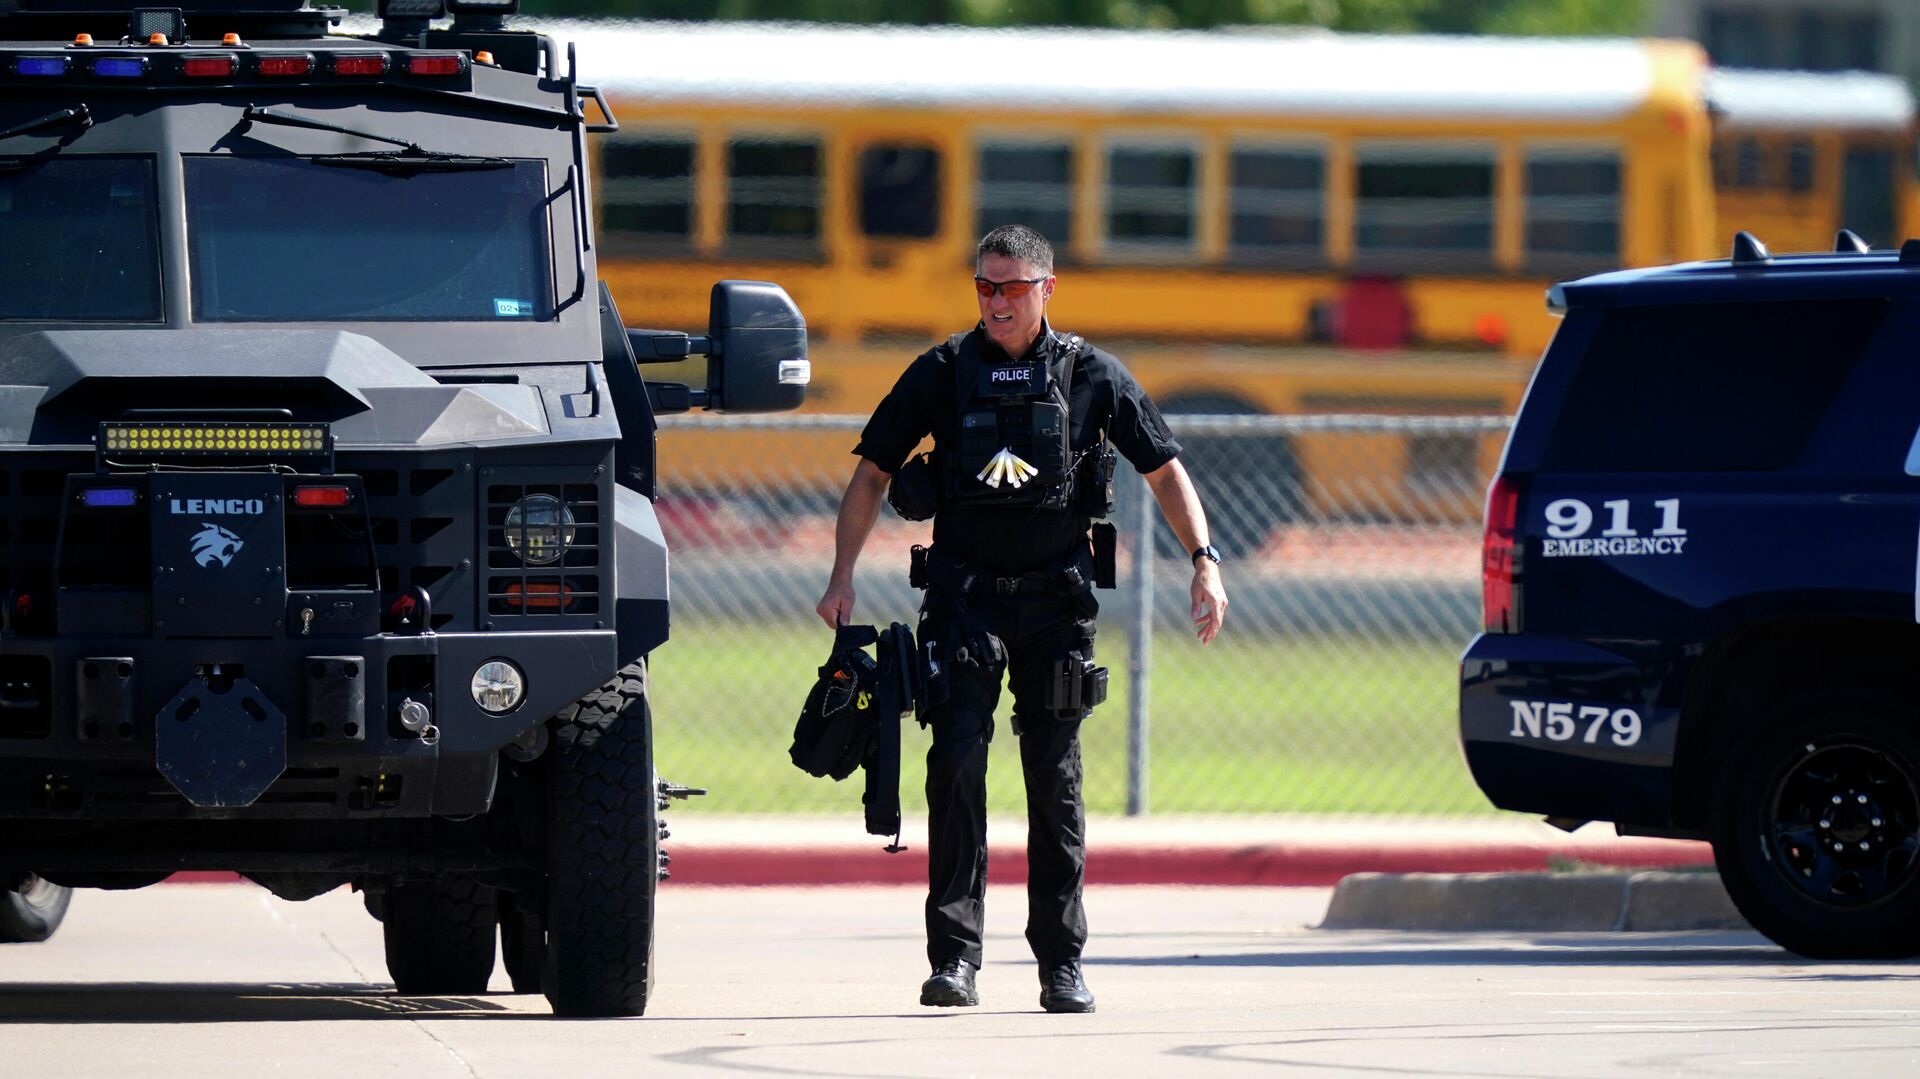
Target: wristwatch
[1209,551]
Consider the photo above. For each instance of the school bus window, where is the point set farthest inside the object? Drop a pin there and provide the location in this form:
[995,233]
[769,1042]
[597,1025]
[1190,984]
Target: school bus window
[1749,164]
[899,190]
[1150,194]
[1424,205]
[1800,166]
[1027,184]
[1573,208]
[646,191]
[773,197]
[1275,197]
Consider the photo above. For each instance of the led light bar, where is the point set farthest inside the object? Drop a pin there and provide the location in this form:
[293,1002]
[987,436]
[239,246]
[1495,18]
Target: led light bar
[186,438]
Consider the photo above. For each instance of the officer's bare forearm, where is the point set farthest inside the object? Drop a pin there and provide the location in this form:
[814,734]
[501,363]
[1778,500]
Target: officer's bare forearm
[1180,504]
[859,509]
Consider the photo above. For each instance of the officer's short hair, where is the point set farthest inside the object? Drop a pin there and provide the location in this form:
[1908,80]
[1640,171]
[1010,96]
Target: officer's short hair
[1018,242]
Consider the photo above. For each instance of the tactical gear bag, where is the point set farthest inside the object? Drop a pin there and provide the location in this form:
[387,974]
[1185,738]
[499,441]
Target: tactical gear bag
[852,717]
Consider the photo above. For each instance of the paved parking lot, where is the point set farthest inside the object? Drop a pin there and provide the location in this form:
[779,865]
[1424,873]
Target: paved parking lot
[223,980]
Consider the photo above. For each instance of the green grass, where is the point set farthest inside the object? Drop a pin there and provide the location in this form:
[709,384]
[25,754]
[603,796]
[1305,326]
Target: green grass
[1251,724]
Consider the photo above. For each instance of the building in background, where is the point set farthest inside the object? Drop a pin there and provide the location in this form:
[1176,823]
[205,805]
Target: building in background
[1801,35]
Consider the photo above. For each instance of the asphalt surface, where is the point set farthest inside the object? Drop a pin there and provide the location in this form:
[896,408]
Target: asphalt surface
[222,980]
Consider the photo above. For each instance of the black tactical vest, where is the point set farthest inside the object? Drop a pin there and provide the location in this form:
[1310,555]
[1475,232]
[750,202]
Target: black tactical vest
[1013,409]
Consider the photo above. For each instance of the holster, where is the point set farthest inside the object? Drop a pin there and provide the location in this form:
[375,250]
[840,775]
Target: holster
[1075,686]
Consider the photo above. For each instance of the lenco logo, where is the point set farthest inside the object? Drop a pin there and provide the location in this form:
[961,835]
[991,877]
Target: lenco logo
[233,507]
[1011,374]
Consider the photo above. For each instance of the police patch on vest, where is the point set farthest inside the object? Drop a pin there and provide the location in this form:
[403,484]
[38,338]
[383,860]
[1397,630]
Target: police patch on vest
[1015,380]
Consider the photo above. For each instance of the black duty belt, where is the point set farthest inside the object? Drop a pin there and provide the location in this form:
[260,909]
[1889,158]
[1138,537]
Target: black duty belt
[953,575]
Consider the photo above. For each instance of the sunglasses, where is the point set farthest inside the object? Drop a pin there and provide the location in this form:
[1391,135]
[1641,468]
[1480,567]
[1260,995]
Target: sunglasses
[1012,290]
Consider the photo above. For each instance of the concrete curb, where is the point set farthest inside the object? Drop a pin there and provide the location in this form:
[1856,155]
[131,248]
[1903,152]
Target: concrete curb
[1533,902]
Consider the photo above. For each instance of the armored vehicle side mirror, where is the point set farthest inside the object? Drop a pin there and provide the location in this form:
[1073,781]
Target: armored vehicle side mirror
[759,359]
[756,349]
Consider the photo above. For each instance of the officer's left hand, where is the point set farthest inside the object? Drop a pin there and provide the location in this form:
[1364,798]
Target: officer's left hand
[1209,601]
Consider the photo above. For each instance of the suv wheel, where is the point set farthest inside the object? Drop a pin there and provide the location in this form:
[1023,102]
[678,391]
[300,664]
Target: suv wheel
[1817,830]
[603,848]
[32,911]
[439,938]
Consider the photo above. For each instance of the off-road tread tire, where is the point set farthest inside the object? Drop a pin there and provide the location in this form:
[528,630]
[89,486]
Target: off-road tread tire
[440,938]
[603,852]
[34,913]
[1889,929]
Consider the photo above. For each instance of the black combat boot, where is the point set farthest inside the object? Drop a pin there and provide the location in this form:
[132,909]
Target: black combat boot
[1062,989]
[951,986]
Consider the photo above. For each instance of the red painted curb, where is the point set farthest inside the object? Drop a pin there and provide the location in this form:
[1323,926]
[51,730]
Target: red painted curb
[1269,865]
[1273,865]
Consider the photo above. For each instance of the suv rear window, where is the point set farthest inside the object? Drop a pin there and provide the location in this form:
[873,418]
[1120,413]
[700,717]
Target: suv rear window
[1708,387]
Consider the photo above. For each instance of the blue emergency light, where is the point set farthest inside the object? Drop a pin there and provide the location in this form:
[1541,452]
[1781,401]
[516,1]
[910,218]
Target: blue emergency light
[120,67]
[101,498]
[40,65]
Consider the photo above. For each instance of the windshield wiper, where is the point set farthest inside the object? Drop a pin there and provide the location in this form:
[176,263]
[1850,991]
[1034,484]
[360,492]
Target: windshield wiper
[76,115]
[411,158]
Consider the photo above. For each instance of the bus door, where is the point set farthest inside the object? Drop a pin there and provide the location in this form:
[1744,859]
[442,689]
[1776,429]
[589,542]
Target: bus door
[1866,197]
[898,192]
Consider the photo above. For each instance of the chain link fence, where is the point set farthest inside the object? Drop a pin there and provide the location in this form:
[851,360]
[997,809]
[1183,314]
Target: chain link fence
[1352,571]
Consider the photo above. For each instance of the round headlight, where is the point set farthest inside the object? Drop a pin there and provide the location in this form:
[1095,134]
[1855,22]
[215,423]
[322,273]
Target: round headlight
[539,529]
[498,686]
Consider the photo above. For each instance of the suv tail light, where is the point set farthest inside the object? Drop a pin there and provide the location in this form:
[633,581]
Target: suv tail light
[1500,557]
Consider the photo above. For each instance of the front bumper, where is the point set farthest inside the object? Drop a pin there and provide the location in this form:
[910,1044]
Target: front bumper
[1572,728]
[94,748]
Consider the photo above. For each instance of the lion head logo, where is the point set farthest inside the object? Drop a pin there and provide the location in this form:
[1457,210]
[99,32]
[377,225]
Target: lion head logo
[213,543]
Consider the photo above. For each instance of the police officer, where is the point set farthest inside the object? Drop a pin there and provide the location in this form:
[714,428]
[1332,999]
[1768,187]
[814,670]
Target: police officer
[1021,417]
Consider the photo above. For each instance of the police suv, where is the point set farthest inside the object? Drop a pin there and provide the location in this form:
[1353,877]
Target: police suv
[1700,583]
[327,548]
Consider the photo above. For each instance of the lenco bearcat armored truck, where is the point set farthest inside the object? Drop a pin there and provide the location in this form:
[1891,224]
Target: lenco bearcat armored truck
[328,553]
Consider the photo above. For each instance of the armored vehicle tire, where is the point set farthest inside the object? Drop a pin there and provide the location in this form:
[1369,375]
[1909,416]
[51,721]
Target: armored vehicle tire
[439,938]
[603,849]
[523,947]
[33,911]
[1816,828]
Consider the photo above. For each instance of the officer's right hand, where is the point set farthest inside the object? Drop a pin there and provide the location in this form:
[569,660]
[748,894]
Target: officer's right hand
[836,606]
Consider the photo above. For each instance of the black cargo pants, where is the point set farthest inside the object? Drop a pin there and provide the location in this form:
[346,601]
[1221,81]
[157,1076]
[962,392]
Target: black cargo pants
[1035,632]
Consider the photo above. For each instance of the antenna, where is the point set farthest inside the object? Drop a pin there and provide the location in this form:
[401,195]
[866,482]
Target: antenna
[1848,242]
[1749,251]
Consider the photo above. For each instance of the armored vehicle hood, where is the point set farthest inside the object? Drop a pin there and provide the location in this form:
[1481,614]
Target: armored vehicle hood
[57,385]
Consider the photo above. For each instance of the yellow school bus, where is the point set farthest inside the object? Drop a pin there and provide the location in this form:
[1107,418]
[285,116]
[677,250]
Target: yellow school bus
[1798,156]
[1256,222]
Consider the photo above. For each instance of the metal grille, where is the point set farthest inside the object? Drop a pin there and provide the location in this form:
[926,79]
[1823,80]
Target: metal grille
[520,584]
[415,515]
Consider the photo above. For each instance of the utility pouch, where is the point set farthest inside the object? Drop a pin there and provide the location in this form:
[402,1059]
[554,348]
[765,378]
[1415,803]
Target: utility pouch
[1093,492]
[917,573]
[1106,549]
[1075,687]
[915,491]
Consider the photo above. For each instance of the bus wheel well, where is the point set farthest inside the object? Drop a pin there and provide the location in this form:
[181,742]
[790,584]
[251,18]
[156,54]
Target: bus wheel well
[1745,674]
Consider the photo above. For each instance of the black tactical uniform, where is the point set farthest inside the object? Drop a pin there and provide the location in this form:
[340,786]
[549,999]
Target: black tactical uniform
[1000,599]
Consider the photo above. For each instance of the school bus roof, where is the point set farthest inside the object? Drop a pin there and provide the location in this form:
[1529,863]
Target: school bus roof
[1850,100]
[1300,72]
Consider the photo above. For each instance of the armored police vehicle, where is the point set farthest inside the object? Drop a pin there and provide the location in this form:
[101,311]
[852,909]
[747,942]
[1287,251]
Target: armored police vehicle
[1700,583]
[328,553]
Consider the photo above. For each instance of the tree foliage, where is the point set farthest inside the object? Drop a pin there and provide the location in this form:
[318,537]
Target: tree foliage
[1372,16]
